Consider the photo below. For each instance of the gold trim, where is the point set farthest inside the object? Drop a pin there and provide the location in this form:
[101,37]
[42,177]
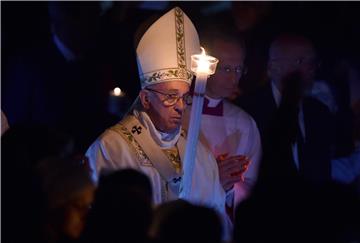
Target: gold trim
[180,37]
[174,157]
[167,75]
[140,154]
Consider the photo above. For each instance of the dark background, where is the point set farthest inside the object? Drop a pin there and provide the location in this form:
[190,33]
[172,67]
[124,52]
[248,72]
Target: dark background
[25,30]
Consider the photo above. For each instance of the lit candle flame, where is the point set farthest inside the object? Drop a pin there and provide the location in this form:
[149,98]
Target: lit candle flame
[203,65]
[117,91]
[203,53]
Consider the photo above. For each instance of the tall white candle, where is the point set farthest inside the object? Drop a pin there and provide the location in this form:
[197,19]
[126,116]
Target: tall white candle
[203,66]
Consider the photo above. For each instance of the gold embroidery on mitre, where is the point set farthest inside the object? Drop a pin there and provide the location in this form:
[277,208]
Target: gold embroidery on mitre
[180,37]
[166,75]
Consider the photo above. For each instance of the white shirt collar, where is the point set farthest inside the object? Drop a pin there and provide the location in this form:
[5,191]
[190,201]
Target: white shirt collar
[64,50]
[164,140]
[276,93]
[213,102]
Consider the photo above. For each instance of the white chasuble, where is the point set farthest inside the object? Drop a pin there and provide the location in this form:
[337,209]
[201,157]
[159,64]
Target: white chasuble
[113,151]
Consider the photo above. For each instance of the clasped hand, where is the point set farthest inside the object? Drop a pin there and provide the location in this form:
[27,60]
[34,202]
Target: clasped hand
[232,169]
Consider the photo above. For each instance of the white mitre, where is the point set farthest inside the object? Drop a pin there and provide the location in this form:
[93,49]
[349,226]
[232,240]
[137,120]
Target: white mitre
[164,51]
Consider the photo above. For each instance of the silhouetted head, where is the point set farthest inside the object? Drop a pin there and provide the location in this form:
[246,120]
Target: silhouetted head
[23,147]
[180,222]
[122,209]
[69,189]
[289,53]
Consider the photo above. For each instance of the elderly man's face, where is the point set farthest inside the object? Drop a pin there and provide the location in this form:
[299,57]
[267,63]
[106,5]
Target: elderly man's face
[166,118]
[287,57]
[230,68]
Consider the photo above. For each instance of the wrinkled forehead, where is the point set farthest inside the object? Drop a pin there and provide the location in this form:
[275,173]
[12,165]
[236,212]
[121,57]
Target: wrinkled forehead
[176,86]
[292,48]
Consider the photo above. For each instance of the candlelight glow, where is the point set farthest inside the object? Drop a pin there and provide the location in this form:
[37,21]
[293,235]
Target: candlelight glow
[117,91]
[202,63]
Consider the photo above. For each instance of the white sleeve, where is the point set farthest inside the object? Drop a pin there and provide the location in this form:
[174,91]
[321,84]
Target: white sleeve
[108,153]
[253,151]
[97,158]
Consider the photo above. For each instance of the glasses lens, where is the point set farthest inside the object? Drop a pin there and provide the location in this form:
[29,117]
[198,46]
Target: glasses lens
[170,101]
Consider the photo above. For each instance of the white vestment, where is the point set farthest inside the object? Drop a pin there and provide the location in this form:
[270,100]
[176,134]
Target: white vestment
[111,151]
[233,133]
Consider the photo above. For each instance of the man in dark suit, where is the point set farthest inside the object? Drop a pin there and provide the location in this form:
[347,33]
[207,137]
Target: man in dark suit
[295,129]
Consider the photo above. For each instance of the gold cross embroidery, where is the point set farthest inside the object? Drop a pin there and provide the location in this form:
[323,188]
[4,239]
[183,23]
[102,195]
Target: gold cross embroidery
[174,157]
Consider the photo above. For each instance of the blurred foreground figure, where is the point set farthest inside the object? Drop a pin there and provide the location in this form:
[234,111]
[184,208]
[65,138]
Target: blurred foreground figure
[122,209]
[70,190]
[24,196]
[204,226]
[303,214]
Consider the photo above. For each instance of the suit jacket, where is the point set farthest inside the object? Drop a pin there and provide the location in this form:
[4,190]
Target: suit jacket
[276,126]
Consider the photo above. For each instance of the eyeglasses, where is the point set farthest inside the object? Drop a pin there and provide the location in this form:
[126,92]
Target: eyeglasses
[172,99]
[228,69]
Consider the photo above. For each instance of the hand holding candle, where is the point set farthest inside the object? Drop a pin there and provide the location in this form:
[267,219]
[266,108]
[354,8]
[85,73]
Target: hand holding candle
[203,65]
